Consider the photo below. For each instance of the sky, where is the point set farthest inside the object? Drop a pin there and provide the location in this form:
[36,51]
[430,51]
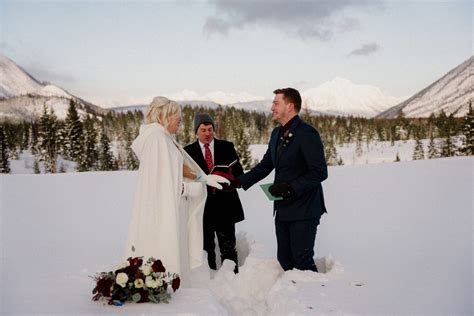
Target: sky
[127,52]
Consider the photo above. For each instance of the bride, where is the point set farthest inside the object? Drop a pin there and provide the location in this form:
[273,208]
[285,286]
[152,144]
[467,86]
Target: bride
[166,220]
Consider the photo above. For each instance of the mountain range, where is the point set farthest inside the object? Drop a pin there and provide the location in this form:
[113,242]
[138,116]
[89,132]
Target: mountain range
[337,97]
[22,97]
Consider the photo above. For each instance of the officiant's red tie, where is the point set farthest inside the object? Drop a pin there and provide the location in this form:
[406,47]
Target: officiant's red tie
[208,156]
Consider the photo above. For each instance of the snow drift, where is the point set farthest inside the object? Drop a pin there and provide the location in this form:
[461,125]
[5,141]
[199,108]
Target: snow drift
[397,240]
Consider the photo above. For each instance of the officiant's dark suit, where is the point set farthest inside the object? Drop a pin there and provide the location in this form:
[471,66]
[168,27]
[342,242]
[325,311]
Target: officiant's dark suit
[223,208]
[296,153]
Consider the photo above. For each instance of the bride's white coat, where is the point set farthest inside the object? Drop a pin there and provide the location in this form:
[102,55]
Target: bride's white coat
[165,223]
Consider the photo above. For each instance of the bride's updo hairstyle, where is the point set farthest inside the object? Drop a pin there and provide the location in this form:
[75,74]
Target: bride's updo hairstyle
[160,110]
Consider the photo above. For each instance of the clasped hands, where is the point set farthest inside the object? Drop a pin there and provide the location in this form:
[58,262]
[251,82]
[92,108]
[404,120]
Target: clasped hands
[229,183]
[212,180]
[226,182]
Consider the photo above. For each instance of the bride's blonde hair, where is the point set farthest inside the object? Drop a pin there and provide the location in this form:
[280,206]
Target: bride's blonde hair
[160,110]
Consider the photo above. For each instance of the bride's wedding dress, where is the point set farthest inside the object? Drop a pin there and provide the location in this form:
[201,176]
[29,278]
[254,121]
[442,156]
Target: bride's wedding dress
[166,220]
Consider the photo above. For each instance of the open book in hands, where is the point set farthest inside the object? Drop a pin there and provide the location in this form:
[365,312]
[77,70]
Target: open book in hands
[224,170]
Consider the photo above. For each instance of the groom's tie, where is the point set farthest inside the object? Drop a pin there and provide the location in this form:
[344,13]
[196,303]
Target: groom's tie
[208,157]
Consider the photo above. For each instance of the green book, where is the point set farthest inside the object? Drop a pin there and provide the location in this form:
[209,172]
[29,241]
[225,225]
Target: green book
[268,194]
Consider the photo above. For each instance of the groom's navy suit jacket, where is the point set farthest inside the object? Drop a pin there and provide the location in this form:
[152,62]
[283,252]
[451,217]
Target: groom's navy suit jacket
[301,164]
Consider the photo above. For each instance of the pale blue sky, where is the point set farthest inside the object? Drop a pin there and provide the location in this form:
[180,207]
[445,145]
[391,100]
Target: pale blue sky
[128,51]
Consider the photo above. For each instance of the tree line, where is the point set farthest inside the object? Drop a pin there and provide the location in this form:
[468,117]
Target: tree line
[103,142]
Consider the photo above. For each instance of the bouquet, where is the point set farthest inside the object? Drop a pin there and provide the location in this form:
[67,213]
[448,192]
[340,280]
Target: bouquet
[133,282]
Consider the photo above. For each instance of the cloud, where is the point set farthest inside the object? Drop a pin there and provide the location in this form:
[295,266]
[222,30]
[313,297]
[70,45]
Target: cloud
[365,50]
[306,19]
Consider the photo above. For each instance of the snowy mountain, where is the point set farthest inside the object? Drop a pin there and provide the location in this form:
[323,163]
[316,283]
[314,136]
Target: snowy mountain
[451,93]
[343,97]
[336,97]
[142,107]
[218,97]
[22,97]
[15,81]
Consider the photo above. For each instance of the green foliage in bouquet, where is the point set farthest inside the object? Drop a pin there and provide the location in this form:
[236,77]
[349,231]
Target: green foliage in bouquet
[135,282]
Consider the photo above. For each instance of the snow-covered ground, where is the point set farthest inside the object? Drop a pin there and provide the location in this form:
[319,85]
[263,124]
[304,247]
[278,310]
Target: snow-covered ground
[375,152]
[397,239]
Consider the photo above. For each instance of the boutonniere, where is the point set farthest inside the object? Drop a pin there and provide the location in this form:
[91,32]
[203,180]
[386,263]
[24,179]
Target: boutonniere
[285,139]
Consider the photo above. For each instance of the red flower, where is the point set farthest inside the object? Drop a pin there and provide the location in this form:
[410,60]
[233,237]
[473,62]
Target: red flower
[104,286]
[175,284]
[135,262]
[143,296]
[158,266]
[132,269]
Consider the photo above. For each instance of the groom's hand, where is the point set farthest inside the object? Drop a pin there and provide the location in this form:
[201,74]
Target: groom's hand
[234,184]
[283,190]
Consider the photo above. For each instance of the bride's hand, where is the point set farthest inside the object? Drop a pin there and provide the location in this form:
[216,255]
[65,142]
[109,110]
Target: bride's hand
[212,180]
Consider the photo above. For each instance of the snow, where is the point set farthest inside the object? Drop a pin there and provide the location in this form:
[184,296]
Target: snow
[375,152]
[13,80]
[26,160]
[53,91]
[218,97]
[450,93]
[397,239]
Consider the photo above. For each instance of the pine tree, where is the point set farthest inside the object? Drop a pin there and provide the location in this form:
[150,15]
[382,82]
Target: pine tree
[25,137]
[340,162]
[106,158]
[468,131]
[47,140]
[432,149]
[418,152]
[73,134]
[36,168]
[89,156]
[185,132]
[33,139]
[131,159]
[4,163]
[330,151]
[401,126]
[243,148]
[359,145]
[446,126]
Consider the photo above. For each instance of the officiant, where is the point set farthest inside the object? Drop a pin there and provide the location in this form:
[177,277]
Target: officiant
[223,208]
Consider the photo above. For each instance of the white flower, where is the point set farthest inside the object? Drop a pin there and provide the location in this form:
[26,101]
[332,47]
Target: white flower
[159,282]
[121,279]
[146,270]
[151,283]
[123,265]
[139,283]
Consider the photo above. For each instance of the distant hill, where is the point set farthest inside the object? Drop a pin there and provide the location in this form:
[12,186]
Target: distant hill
[22,97]
[451,93]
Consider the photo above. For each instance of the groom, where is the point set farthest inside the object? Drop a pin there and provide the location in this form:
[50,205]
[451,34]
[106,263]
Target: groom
[296,153]
[223,208]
